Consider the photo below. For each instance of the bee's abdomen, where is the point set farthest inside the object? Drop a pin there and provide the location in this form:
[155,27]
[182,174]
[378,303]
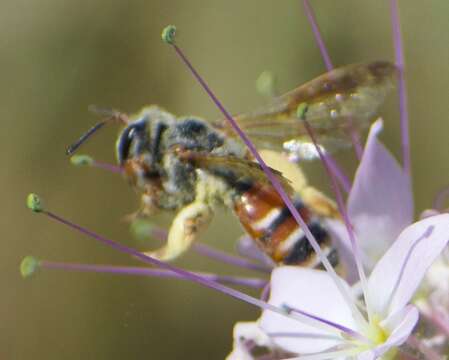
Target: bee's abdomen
[269,222]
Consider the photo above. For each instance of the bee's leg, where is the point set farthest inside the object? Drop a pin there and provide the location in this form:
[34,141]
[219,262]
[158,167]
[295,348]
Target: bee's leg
[184,229]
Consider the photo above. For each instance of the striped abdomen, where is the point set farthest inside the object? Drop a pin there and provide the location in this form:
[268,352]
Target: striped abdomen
[269,222]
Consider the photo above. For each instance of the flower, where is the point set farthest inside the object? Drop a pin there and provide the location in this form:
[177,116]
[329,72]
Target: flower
[314,313]
[391,285]
[380,204]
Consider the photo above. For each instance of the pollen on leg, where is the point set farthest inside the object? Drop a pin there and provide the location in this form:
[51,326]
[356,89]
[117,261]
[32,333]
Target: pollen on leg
[184,230]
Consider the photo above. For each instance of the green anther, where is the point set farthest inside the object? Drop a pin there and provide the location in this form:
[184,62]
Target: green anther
[141,229]
[301,111]
[168,34]
[81,160]
[34,203]
[28,266]
[266,84]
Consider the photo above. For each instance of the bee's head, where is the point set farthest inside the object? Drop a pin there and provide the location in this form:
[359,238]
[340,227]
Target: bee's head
[139,140]
[140,145]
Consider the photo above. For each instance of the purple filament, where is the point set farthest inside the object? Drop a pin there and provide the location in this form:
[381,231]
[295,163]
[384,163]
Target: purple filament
[340,327]
[265,292]
[187,275]
[108,167]
[316,32]
[355,137]
[342,209]
[339,174]
[440,320]
[353,133]
[208,251]
[425,350]
[275,183]
[145,271]
[212,253]
[440,198]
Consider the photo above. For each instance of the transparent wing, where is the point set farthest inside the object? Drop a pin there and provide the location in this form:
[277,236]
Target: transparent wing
[337,100]
[234,169]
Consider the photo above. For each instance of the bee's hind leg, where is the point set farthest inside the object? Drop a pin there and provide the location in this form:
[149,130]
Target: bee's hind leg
[184,230]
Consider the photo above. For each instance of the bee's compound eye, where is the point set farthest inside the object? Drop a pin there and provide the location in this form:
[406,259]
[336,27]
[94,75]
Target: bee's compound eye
[123,145]
[130,134]
[125,140]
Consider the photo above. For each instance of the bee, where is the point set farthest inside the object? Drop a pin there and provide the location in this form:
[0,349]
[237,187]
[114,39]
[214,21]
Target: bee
[191,166]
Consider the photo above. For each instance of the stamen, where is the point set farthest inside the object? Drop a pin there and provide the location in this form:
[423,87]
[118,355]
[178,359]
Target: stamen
[406,354]
[339,174]
[347,353]
[266,84]
[317,33]
[142,271]
[402,90]
[86,160]
[265,292]
[248,249]
[212,253]
[302,110]
[186,274]
[302,335]
[353,133]
[426,351]
[34,203]
[274,181]
[355,139]
[441,198]
[145,229]
[342,328]
[434,316]
[28,266]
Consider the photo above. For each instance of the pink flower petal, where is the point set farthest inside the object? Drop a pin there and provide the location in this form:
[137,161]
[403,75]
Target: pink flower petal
[380,203]
[398,274]
[400,326]
[308,290]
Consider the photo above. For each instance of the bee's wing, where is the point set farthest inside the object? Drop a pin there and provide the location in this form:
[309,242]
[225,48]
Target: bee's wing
[236,170]
[349,95]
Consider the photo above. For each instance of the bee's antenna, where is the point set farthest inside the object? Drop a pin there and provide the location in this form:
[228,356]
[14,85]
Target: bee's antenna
[72,148]
[112,115]
[103,111]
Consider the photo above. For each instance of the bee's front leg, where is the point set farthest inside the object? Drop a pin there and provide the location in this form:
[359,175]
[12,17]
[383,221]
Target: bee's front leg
[184,229]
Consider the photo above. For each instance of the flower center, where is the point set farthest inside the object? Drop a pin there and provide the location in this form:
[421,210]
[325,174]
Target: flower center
[375,332]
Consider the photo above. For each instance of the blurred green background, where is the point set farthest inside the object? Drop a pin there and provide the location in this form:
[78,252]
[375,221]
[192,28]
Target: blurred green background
[58,57]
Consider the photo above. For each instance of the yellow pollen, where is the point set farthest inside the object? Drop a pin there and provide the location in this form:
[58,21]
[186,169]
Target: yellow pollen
[376,333]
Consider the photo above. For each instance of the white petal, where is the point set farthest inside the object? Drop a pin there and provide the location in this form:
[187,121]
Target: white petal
[380,203]
[243,333]
[308,290]
[398,274]
[400,326]
[366,355]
